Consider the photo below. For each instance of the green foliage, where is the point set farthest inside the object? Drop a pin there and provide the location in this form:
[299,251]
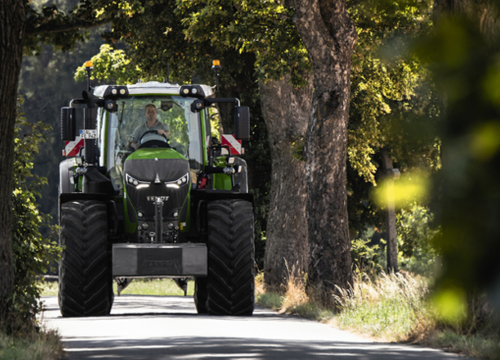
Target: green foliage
[465,65]
[392,104]
[298,147]
[33,253]
[417,252]
[62,26]
[111,66]
[264,28]
[388,97]
[365,258]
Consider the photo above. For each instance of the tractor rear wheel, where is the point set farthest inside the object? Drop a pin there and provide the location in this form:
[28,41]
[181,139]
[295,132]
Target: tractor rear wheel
[200,295]
[231,258]
[85,279]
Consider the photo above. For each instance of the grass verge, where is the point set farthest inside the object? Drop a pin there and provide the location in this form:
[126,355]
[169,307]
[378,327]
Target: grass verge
[41,345]
[387,308]
[137,287]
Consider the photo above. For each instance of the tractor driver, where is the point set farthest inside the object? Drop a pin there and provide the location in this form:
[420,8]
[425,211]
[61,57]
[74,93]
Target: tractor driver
[152,123]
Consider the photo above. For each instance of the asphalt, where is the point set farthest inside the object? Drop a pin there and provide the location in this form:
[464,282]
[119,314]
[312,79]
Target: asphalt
[168,327]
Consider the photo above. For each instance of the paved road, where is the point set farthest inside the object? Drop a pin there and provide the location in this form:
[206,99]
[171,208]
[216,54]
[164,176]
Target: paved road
[158,327]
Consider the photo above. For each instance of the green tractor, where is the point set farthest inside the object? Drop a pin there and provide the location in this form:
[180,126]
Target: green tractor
[137,202]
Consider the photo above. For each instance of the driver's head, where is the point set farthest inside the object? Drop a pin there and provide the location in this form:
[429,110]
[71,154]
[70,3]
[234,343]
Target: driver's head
[151,112]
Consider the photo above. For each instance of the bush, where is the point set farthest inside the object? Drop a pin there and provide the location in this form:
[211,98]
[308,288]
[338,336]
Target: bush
[365,258]
[33,253]
[415,236]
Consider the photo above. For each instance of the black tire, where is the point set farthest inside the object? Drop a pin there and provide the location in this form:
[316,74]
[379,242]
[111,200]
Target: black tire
[231,258]
[85,279]
[200,295]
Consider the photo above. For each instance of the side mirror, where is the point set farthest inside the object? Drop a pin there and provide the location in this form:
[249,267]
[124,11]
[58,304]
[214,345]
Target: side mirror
[68,123]
[242,123]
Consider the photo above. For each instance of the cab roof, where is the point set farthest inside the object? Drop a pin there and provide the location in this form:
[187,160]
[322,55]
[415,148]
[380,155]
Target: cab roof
[153,87]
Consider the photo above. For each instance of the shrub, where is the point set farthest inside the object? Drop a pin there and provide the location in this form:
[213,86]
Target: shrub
[365,258]
[415,235]
[389,306]
[33,253]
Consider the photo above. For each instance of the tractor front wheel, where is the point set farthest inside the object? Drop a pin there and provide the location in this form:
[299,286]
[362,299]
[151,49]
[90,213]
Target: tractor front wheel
[231,258]
[85,279]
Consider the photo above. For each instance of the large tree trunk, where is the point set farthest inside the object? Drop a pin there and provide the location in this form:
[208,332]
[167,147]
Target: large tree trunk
[329,36]
[12,25]
[286,111]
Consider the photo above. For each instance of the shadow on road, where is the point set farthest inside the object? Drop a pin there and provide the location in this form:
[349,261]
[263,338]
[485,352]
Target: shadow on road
[238,348]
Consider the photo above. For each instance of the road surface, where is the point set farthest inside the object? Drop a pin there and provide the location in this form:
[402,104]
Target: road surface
[160,327]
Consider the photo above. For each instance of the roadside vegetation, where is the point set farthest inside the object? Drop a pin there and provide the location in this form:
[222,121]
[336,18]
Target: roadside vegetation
[22,336]
[41,345]
[137,287]
[391,307]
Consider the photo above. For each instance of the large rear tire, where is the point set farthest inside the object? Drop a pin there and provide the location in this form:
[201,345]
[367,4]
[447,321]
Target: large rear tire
[85,279]
[200,295]
[231,258]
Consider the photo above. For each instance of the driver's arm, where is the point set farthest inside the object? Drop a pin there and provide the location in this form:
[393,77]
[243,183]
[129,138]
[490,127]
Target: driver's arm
[164,130]
[135,138]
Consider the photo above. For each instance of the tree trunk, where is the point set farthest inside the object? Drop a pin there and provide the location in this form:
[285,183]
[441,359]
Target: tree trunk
[329,36]
[390,219]
[12,25]
[286,111]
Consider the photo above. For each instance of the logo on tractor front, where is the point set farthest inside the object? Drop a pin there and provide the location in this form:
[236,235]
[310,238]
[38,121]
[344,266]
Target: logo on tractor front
[153,198]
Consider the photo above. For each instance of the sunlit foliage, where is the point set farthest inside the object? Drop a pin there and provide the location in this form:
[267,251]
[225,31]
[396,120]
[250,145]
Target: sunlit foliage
[33,253]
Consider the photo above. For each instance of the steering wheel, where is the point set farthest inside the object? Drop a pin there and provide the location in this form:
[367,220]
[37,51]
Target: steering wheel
[151,132]
[154,143]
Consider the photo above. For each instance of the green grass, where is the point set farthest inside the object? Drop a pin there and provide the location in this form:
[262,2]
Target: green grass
[269,300]
[388,318]
[473,345]
[49,288]
[137,287]
[43,345]
[156,287]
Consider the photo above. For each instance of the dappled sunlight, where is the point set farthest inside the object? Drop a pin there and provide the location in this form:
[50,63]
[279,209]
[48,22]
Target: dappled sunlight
[485,140]
[411,187]
[450,303]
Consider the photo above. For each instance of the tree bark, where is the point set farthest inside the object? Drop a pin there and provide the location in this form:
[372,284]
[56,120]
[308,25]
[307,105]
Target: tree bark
[329,36]
[390,219]
[12,27]
[286,112]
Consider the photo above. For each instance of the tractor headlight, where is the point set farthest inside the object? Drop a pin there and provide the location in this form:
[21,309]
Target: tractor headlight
[179,182]
[137,183]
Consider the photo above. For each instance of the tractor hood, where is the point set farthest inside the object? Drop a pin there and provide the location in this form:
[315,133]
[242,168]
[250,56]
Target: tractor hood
[151,173]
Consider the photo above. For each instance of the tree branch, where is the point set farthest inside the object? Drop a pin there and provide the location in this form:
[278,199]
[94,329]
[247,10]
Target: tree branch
[49,28]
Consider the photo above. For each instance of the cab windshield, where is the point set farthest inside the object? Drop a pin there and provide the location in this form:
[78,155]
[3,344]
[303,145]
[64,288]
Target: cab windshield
[173,112]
